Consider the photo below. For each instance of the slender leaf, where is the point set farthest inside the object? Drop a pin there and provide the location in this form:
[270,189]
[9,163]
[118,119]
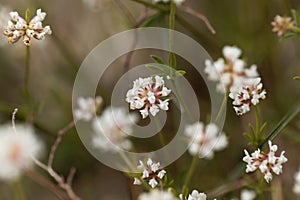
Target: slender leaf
[154,19]
[157,59]
[285,120]
[296,17]
[297,78]
[289,36]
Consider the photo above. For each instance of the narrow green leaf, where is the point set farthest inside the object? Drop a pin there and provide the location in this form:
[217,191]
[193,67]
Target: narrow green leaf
[251,131]
[296,17]
[248,137]
[297,78]
[154,19]
[181,72]
[262,129]
[157,59]
[283,122]
[295,29]
[289,36]
[158,69]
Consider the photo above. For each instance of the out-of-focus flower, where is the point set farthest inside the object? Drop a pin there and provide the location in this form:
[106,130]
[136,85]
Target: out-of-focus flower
[267,163]
[177,2]
[195,195]
[17,28]
[296,188]
[151,173]
[230,70]
[157,195]
[205,140]
[148,95]
[247,95]
[112,129]
[17,147]
[281,25]
[87,107]
[4,17]
[248,194]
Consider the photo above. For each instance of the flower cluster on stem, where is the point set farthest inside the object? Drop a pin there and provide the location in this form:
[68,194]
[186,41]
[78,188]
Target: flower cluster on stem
[281,25]
[266,163]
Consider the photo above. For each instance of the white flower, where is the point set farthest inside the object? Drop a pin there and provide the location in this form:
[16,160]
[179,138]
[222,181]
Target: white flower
[267,163]
[195,195]
[205,140]
[281,25]
[230,70]
[17,28]
[148,95]
[151,173]
[248,194]
[87,108]
[16,150]
[112,129]
[247,95]
[4,18]
[157,195]
[177,2]
[296,188]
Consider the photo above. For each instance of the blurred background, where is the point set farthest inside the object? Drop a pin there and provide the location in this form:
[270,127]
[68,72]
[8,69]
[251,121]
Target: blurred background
[79,25]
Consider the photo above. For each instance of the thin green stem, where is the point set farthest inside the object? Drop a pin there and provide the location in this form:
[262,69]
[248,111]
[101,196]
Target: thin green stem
[19,190]
[257,123]
[189,174]
[172,57]
[27,70]
[161,135]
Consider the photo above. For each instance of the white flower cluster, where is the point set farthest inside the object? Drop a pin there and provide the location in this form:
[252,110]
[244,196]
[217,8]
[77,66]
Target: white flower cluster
[267,163]
[87,107]
[157,195]
[17,147]
[205,140]
[229,71]
[112,129]
[17,28]
[151,172]
[296,188]
[248,194]
[177,2]
[248,94]
[281,25]
[195,195]
[148,95]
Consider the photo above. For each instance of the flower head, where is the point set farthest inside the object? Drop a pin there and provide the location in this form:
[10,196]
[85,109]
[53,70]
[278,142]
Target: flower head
[4,17]
[195,195]
[281,25]
[87,107]
[148,95]
[151,173]
[267,163]
[112,129]
[205,140]
[248,194]
[296,188]
[230,70]
[247,95]
[17,28]
[17,147]
[157,195]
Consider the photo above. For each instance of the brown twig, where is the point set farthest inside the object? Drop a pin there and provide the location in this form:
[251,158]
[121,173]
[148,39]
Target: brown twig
[65,185]
[199,16]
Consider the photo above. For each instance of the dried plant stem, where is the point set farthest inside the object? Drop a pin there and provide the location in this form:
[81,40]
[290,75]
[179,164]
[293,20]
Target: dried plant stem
[66,185]
[199,16]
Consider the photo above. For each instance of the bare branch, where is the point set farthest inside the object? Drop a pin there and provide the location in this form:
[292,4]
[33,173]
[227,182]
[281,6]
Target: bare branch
[199,16]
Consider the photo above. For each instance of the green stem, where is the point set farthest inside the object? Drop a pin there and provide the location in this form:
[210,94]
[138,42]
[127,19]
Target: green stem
[189,174]
[19,190]
[172,57]
[161,135]
[27,70]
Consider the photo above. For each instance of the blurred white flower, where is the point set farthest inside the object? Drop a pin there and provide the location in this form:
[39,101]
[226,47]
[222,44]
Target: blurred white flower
[296,188]
[87,108]
[17,28]
[267,163]
[281,25]
[4,18]
[195,195]
[177,2]
[248,194]
[230,70]
[205,140]
[157,195]
[148,95]
[247,95]
[151,173]
[17,147]
[112,129]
